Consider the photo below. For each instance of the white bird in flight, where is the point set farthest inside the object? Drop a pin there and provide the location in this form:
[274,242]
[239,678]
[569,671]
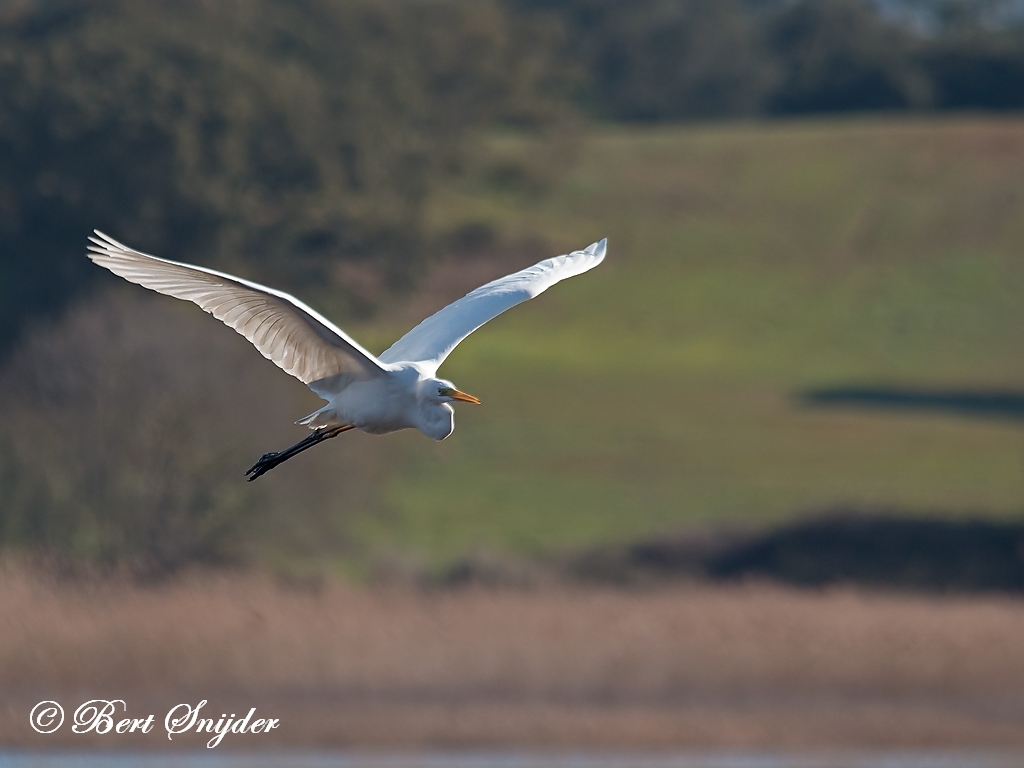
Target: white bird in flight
[395,390]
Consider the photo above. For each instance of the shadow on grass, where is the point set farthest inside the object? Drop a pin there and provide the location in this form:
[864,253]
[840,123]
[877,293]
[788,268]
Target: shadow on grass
[999,404]
[882,551]
[889,551]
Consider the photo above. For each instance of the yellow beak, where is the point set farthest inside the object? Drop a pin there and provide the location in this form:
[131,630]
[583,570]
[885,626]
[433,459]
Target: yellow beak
[456,394]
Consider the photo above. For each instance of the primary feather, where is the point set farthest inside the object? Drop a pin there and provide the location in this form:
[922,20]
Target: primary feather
[430,342]
[294,336]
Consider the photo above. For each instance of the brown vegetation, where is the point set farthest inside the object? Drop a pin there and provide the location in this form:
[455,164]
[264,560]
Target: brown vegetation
[687,665]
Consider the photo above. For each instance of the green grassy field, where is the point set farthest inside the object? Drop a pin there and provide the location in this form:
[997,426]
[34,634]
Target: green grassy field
[747,262]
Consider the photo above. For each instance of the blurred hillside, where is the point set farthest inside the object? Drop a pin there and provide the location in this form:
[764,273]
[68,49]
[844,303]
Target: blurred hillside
[748,265]
[751,264]
[381,158]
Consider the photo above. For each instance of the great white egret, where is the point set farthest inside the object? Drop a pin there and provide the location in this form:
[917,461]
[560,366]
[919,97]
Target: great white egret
[396,390]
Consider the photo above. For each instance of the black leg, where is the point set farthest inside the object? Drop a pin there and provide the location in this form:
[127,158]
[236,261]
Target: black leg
[270,460]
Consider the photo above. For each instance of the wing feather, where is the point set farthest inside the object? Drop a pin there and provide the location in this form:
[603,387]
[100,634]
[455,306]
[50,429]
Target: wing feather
[430,342]
[286,331]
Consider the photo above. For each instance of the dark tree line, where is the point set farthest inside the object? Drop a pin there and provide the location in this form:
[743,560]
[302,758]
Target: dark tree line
[282,134]
[277,137]
[685,59]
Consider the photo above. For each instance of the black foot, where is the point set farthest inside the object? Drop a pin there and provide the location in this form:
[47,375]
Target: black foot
[266,463]
[270,460]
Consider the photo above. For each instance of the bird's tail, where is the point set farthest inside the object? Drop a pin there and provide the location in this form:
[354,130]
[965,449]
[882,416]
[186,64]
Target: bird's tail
[319,418]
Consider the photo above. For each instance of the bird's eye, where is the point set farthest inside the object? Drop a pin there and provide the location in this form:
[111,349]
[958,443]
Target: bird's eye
[443,391]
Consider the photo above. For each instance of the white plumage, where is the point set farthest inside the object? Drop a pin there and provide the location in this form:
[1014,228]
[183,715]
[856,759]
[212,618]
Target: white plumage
[397,390]
[430,342]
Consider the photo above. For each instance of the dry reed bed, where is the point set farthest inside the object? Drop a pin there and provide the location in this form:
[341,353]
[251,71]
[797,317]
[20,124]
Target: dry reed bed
[688,664]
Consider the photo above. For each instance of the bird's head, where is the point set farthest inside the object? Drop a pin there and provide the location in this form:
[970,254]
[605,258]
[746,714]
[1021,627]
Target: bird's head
[443,391]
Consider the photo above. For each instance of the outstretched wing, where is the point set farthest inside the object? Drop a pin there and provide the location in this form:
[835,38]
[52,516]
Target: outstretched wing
[430,342]
[286,331]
